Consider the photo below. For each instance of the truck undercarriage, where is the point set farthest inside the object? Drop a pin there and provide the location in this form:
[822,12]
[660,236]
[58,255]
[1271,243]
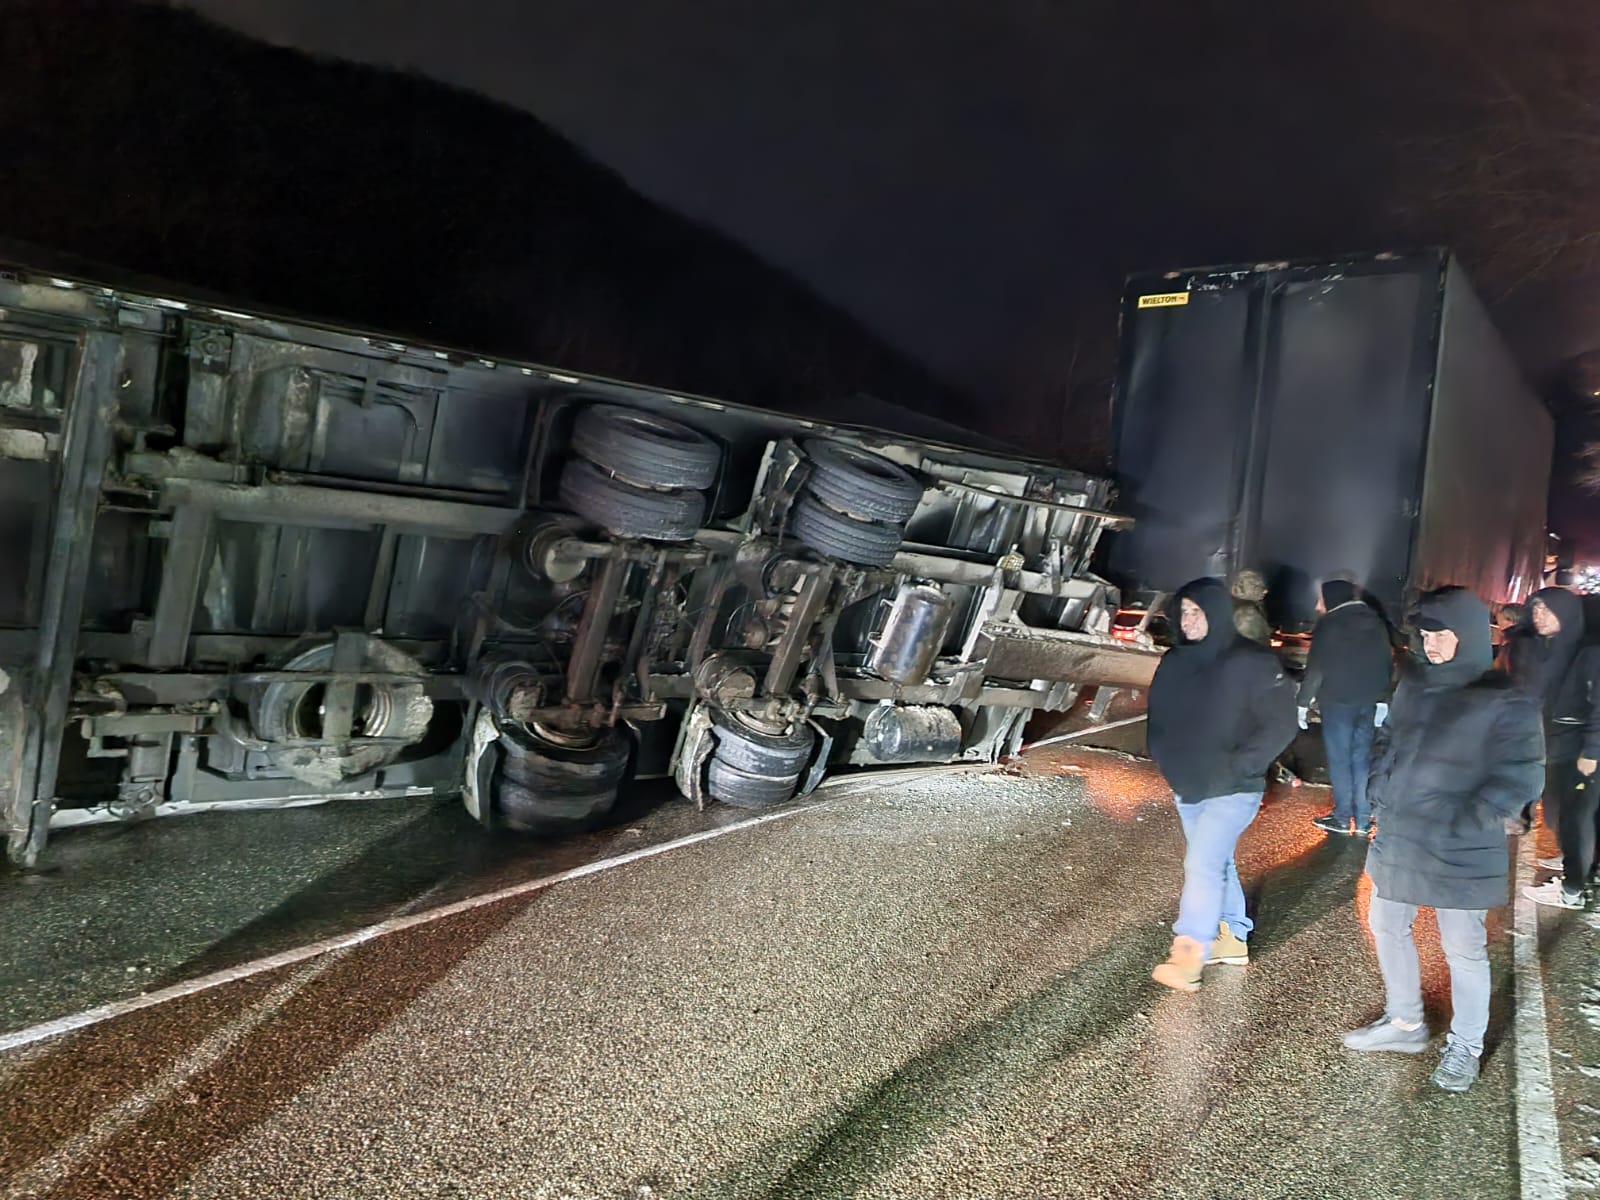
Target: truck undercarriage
[259,563]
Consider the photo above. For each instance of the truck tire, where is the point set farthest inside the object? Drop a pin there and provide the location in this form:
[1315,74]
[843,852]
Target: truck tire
[830,533]
[286,711]
[645,449]
[763,753]
[547,788]
[745,789]
[526,810]
[535,763]
[627,510]
[861,484]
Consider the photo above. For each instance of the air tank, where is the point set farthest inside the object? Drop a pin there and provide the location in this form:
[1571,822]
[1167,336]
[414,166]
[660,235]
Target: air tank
[912,733]
[912,635]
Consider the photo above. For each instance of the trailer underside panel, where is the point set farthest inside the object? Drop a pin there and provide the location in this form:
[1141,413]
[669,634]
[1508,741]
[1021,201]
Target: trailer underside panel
[267,563]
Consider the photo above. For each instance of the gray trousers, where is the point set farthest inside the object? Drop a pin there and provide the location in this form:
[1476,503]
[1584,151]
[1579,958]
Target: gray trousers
[1465,940]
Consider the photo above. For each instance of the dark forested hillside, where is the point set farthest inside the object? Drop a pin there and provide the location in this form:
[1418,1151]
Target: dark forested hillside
[145,138]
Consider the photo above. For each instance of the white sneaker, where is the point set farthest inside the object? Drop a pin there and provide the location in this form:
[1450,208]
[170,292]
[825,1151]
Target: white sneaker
[1384,1034]
[1554,863]
[1554,894]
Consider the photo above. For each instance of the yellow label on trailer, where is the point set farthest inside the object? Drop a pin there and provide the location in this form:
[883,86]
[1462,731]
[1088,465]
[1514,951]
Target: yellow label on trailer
[1164,300]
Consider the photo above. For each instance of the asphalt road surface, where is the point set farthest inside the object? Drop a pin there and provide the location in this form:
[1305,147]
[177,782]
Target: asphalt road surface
[933,989]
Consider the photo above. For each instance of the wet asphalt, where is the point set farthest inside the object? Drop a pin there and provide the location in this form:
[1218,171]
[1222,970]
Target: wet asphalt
[936,988]
[123,909]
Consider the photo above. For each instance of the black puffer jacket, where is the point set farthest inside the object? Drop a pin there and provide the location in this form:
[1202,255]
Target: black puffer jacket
[1352,658]
[1572,726]
[1221,709]
[1562,674]
[1462,750]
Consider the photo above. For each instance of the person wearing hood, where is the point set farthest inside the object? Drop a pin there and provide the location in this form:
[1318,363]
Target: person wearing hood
[1349,673]
[1461,750]
[1221,710]
[1550,663]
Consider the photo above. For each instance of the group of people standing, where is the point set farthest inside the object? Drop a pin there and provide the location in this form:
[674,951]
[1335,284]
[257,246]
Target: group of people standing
[1434,763]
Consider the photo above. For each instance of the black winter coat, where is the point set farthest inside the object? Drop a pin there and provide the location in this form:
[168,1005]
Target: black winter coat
[1221,709]
[1572,718]
[1541,666]
[1462,750]
[1351,660]
[1563,675]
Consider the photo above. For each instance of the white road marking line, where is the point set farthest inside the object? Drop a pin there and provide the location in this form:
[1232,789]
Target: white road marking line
[73,1152]
[1544,1176]
[70,1154]
[838,785]
[287,958]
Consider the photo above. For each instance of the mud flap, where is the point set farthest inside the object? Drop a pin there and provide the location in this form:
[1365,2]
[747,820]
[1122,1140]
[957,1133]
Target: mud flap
[483,760]
[696,741]
[819,764]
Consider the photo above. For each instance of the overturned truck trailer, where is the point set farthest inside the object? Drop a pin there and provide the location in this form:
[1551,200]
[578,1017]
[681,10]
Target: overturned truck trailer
[256,562]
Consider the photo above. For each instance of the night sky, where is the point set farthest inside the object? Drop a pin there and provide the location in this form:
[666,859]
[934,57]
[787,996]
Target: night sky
[911,161]
[973,180]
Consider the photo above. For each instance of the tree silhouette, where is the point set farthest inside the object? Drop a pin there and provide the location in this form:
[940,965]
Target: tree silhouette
[1512,144]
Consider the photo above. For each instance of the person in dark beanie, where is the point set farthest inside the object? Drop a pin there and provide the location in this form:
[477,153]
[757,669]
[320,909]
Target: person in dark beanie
[1462,749]
[1221,710]
[1349,673]
[1549,662]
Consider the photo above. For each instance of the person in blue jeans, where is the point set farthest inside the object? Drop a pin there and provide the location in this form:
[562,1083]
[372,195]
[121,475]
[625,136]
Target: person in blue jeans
[1221,710]
[1462,750]
[1348,676]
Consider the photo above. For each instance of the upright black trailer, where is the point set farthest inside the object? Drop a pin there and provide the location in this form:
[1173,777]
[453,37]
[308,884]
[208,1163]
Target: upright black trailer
[1360,416]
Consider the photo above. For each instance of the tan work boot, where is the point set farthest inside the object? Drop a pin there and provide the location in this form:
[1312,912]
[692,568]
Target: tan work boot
[1181,971]
[1234,951]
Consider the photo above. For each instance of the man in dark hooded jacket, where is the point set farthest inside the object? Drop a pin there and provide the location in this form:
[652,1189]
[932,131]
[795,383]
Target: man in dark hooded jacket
[1549,662]
[1461,751]
[1348,676]
[1221,710]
